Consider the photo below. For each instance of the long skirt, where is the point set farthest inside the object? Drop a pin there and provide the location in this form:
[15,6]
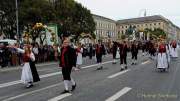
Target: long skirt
[162,60]
[26,73]
[174,52]
[79,59]
[34,72]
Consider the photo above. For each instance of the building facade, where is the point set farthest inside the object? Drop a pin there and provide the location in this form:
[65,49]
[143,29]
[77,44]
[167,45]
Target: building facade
[105,29]
[150,22]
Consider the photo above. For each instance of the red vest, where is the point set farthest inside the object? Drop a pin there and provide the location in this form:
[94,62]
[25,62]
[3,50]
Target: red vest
[162,48]
[26,58]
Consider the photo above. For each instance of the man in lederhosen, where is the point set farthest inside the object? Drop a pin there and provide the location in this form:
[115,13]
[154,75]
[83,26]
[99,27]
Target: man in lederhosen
[114,51]
[67,61]
[99,52]
[134,52]
[123,55]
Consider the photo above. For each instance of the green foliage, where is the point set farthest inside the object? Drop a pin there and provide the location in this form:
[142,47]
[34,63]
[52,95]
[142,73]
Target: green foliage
[123,36]
[8,18]
[74,18]
[155,33]
[33,11]
[71,17]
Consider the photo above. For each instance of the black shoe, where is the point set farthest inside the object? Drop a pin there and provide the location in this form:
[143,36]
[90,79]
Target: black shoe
[73,87]
[65,91]
[100,68]
[125,67]
[29,86]
[121,69]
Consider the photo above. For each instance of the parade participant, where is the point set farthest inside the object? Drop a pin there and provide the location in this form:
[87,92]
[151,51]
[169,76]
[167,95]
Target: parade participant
[29,71]
[90,51]
[162,62]
[114,51]
[152,50]
[134,52]
[67,61]
[79,51]
[174,49]
[168,52]
[99,52]
[123,55]
[143,48]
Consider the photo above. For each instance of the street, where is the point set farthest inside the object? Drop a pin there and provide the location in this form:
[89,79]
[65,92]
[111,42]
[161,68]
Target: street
[141,82]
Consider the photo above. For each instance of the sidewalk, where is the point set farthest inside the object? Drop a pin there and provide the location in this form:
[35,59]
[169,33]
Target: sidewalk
[19,67]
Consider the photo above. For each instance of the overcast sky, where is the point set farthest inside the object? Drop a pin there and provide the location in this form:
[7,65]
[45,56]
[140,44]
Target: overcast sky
[123,9]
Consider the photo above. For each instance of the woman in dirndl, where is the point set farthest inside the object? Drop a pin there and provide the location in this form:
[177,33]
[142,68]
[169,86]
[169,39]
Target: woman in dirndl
[79,51]
[29,71]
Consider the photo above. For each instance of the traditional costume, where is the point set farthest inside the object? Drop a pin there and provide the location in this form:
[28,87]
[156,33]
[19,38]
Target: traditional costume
[162,59]
[123,55]
[99,52]
[114,52]
[174,49]
[67,61]
[29,71]
[79,52]
[134,52]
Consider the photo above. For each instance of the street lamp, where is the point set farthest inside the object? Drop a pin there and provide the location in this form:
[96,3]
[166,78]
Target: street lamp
[17,21]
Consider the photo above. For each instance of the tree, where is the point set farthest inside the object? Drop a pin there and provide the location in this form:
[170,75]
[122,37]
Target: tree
[157,32]
[74,19]
[33,15]
[35,11]
[8,18]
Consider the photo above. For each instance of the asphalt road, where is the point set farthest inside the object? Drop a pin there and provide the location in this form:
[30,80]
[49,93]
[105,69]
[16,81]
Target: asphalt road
[141,82]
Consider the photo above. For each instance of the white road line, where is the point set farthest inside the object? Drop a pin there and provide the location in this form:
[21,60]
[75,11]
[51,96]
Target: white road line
[19,81]
[44,76]
[51,74]
[117,74]
[96,64]
[20,67]
[145,62]
[35,91]
[119,94]
[60,97]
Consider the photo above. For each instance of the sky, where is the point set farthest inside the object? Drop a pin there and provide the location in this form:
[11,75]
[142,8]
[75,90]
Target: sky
[125,9]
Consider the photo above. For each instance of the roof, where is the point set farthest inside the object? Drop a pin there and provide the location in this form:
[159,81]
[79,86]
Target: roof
[102,17]
[143,19]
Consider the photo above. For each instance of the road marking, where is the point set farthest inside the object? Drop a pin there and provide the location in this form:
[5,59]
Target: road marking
[51,74]
[44,76]
[143,63]
[117,74]
[35,91]
[20,67]
[119,94]
[19,81]
[60,97]
[96,64]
